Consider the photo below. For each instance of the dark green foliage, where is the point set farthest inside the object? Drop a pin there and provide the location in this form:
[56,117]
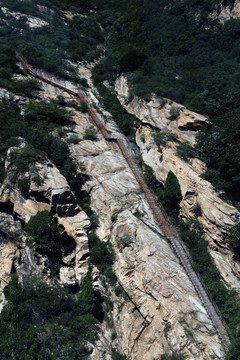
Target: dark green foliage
[186,151]
[34,126]
[43,322]
[87,300]
[138,214]
[83,107]
[26,88]
[113,218]
[189,58]
[150,178]
[234,240]
[125,121]
[171,196]
[225,298]
[43,233]
[85,34]
[172,357]
[23,185]
[117,356]
[102,255]
[174,113]
[118,290]
[197,210]
[46,114]
[160,139]
[219,146]
[90,133]
[123,242]
[21,159]
[131,59]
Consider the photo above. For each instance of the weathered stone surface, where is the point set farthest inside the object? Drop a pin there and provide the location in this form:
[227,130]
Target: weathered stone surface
[76,258]
[217,216]
[157,113]
[147,269]
[10,234]
[226,12]
[32,21]
[8,255]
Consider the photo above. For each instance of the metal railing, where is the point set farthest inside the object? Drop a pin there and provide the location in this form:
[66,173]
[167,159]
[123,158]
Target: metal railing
[159,213]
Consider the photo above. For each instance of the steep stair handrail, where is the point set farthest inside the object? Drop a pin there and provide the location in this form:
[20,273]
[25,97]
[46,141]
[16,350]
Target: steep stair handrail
[160,215]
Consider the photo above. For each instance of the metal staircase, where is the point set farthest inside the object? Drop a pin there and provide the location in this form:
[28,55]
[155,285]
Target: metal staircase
[159,213]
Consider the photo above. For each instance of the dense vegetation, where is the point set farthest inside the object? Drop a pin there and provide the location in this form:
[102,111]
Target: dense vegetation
[42,322]
[177,50]
[60,39]
[227,300]
[172,48]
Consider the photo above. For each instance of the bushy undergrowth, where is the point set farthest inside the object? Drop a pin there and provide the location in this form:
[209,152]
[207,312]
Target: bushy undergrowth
[46,322]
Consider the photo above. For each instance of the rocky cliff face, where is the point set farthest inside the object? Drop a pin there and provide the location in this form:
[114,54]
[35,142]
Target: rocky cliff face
[224,13]
[157,310]
[155,317]
[217,216]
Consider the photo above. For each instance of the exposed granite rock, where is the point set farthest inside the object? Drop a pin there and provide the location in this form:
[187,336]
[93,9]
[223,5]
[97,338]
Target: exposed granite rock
[8,255]
[147,269]
[224,13]
[157,113]
[217,216]
[32,21]
[75,261]
[51,194]
[10,234]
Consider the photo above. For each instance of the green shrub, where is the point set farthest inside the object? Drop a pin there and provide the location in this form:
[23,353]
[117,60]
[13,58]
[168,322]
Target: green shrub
[142,138]
[102,255]
[117,356]
[138,214]
[197,210]
[90,134]
[167,327]
[118,290]
[174,113]
[48,115]
[23,185]
[173,357]
[171,196]
[160,139]
[123,242]
[87,299]
[21,159]
[113,218]
[43,322]
[27,88]
[43,233]
[234,240]
[186,151]
[83,107]
[73,139]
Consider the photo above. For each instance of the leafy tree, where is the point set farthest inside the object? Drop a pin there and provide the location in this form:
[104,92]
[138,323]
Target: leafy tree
[42,232]
[102,255]
[172,195]
[90,133]
[43,322]
[46,114]
[87,299]
[234,240]
[21,159]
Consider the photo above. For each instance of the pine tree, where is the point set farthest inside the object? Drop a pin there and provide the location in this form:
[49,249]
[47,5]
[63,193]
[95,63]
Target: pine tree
[172,195]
